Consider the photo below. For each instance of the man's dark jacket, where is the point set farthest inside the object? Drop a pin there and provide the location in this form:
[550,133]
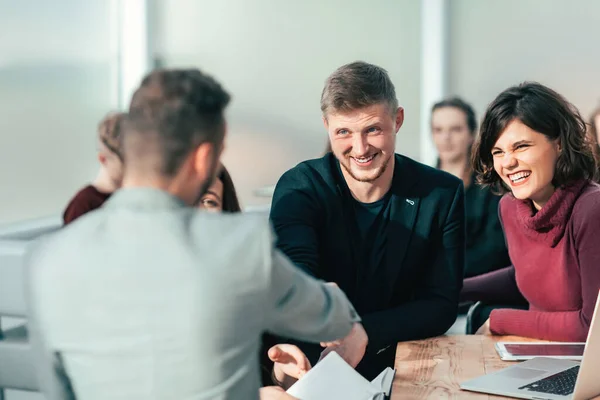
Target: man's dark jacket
[414,293]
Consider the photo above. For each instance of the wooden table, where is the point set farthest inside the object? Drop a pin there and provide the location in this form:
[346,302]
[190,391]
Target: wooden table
[434,368]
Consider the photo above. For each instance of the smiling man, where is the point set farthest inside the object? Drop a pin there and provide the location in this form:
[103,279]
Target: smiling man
[388,230]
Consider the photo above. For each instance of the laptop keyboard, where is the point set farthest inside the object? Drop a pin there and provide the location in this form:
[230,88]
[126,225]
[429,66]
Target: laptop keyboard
[562,383]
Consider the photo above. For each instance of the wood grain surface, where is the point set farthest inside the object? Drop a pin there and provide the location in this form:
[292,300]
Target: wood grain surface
[434,368]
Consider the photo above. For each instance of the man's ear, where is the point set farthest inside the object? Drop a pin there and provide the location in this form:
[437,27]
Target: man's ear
[202,159]
[101,158]
[325,123]
[399,118]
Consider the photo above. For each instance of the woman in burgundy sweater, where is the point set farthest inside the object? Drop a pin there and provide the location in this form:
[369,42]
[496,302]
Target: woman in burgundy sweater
[533,147]
[110,174]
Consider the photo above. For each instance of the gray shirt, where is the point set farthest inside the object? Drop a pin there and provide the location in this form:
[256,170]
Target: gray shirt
[148,299]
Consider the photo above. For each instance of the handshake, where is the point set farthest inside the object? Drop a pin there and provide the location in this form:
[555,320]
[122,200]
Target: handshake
[290,363]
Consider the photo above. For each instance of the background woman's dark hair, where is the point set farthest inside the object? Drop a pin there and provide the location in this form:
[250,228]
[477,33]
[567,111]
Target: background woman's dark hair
[230,199]
[457,102]
[545,111]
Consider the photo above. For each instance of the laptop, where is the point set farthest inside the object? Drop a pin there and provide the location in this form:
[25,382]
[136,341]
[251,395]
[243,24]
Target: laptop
[548,378]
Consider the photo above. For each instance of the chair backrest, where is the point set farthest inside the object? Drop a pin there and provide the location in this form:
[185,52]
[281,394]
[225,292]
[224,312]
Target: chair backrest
[17,369]
[12,296]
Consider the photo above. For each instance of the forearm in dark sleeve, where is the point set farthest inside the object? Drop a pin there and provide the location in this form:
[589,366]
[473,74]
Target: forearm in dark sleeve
[498,287]
[419,319]
[294,218]
[488,252]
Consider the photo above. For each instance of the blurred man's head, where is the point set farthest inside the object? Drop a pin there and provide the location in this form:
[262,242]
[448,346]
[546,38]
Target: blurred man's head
[109,147]
[362,117]
[174,132]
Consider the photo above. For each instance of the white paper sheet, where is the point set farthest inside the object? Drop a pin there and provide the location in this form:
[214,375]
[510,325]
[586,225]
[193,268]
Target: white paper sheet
[333,378]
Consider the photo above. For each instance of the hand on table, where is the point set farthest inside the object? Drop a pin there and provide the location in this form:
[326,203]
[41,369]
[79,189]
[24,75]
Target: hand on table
[351,348]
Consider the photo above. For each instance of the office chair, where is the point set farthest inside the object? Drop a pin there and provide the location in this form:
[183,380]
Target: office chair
[17,369]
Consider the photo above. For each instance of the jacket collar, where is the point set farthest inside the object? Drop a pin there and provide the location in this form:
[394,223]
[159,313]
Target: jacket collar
[144,198]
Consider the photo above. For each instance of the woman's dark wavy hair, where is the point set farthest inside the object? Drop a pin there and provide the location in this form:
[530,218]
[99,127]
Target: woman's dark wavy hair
[545,111]
[230,200]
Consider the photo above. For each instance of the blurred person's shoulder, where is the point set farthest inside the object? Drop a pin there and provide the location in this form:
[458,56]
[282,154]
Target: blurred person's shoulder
[309,172]
[67,241]
[434,187]
[86,199]
[238,247]
[232,228]
[88,196]
[424,174]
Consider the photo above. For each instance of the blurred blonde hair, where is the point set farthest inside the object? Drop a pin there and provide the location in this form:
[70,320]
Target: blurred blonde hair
[109,131]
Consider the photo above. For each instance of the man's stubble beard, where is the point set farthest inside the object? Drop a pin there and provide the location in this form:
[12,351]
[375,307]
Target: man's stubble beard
[378,175]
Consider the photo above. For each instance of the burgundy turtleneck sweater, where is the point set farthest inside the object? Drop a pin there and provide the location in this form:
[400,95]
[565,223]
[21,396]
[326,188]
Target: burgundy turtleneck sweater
[87,199]
[556,266]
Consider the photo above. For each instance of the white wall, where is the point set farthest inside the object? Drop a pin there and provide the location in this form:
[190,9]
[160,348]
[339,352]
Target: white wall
[498,43]
[274,56]
[54,87]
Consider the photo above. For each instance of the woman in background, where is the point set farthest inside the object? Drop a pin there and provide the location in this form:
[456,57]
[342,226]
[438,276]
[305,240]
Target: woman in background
[595,125]
[221,195]
[533,147]
[453,127]
[108,180]
[594,132]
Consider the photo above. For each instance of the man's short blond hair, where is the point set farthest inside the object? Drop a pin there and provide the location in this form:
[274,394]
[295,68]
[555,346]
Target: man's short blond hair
[357,85]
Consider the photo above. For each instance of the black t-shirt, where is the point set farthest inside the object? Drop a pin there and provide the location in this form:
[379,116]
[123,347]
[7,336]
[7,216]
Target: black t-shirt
[368,213]
[371,224]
